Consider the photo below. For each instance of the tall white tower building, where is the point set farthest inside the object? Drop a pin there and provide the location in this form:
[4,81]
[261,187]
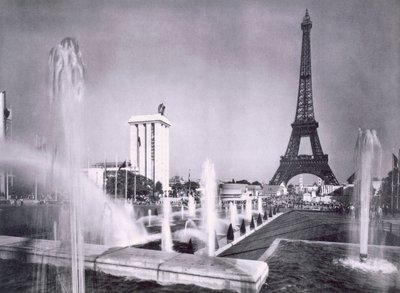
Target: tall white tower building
[5,132]
[149,147]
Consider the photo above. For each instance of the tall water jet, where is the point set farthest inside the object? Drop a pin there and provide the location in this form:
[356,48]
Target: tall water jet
[209,184]
[106,220]
[191,207]
[248,209]
[233,214]
[260,209]
[149,213]
[368,155]
[66,88]
[166,239]
[182,212]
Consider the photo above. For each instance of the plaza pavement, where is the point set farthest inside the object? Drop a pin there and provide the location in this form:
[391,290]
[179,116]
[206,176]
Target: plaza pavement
[298,224]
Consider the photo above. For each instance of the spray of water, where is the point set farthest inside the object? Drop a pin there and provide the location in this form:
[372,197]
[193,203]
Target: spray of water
[149,213]
[233,214]
[166,238]
[368,154]
[66,87]
[248,209]
[260,209]
[191,207]
[66,92]
[209,186]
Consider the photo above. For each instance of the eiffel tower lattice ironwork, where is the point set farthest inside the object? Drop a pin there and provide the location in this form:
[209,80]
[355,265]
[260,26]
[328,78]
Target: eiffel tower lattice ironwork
[305,125]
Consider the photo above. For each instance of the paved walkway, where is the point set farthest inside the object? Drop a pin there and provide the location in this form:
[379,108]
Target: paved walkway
[306,225]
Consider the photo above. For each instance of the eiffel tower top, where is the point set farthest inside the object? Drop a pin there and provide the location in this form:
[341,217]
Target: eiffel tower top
[307,23]
[305,108]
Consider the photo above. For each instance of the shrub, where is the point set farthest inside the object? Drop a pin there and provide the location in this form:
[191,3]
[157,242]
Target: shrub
[259,220]
[230,236]
[252,226]
[242,228]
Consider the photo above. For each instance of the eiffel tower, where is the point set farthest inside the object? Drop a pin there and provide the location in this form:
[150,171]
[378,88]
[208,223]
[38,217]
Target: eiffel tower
[305,125]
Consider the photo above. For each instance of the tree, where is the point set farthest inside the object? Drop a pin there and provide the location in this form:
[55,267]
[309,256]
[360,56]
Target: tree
[256,183]
[243,181]
[159,187]
[252,226]
[386,189]
[242,228]
[192,185]
[230,235]
[259,220]
[144,185]
[177,188]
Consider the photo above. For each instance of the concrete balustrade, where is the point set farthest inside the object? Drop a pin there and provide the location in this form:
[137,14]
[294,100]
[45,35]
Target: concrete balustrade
[162,267]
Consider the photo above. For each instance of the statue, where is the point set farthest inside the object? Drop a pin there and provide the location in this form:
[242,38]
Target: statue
[161,109]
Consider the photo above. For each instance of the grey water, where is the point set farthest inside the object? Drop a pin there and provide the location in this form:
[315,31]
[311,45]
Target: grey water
[296,266]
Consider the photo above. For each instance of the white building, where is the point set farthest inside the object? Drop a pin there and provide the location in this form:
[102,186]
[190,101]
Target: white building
[5,133]
[233,192]
[149,147]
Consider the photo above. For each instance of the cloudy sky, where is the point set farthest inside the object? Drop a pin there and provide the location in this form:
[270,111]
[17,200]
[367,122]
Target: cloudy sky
[227,72]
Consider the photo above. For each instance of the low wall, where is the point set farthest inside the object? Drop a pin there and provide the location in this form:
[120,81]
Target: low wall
[162,267]
[225,245]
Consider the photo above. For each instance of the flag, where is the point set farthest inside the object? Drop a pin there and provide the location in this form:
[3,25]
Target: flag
[139,143]
[395,162]
[123,165]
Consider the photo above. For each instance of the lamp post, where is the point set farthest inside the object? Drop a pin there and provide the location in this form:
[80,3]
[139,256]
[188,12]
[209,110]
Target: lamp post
[126,181]
[135,169]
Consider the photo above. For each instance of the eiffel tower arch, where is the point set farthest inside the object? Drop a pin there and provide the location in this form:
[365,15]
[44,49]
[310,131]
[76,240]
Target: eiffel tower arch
[304,125]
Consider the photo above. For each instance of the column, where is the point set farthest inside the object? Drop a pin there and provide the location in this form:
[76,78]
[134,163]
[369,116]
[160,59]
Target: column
[167,155]
[158,150]
[149,171]
[141,146]
[134,149]
[162,159]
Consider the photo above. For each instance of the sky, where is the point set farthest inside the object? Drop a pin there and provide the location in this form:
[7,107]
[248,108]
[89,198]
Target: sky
[227,72]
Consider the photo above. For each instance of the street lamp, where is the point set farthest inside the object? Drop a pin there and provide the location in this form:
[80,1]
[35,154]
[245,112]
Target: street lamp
[135,170]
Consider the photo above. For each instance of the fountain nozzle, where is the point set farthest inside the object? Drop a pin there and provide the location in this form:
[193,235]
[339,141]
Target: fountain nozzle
[363,257]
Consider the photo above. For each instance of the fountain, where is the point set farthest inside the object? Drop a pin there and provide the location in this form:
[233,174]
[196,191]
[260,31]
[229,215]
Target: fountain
[66,93]
[233,214]
[63,164]
[189,221]
[368,157]
[149,213]
[182,212]
[209,184]
[166,238]
[259,206]
[191,207]
[248,209]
